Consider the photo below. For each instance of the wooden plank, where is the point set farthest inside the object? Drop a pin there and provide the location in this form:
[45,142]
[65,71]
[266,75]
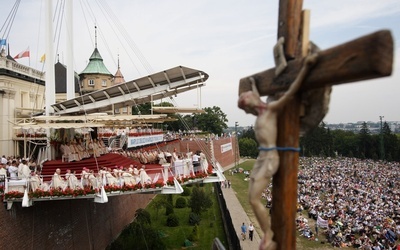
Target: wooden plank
[284,182]
[305,31]
[289,25]
[367,57]
[284,187]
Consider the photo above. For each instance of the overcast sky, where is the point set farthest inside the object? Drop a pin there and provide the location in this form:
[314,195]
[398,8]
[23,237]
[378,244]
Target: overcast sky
[226,39]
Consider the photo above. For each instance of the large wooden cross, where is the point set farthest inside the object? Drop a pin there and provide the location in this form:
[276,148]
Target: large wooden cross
[367,57]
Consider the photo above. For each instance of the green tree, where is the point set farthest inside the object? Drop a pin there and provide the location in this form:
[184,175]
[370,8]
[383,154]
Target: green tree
[391,143]
[138,235]
[199,200]
[248,133]
[158,204]
[365,145]
[143,216]
[318,142]
[344,142]
[142,109]
[248,147]
[212,121]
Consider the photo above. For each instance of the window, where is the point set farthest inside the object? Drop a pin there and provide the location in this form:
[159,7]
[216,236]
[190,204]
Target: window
[91,82]
[104,83]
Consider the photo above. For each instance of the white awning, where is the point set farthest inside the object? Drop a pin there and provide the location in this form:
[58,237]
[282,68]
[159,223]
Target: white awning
[58,125]
[149,88]
[177,110]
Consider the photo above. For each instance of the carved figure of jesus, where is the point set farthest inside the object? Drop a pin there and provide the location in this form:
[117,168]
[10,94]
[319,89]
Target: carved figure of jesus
[266,132]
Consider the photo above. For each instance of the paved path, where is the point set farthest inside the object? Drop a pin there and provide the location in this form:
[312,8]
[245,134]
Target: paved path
[239,216]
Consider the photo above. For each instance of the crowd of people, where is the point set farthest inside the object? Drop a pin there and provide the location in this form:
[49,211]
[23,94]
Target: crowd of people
[356,203]
[16,167]
[19,169]
[183,164]
[76,150]
[180,165]
[118,176]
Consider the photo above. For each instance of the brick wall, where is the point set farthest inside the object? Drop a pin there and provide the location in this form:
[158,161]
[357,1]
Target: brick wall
[68,224]
[224,158]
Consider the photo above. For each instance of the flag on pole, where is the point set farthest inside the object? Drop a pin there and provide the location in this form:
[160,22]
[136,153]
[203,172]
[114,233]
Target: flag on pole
[24,53]
[3,42]
[43,58]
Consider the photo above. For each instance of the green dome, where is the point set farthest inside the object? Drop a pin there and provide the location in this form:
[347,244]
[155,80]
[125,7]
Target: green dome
[96,65]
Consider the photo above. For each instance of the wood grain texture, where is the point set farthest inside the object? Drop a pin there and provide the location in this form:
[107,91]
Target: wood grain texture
[367,57]
[289,20]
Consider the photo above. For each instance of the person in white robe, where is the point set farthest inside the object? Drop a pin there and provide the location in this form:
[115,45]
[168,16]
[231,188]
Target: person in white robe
[92,180]
[178,164]
[111,180]
[35,181]
[25,170]
[3,170]
[72,180]
[85,177]
[203,162]
[136,174]
[144,177]
[58,180]
[13,171]
[188,166]
[128,178]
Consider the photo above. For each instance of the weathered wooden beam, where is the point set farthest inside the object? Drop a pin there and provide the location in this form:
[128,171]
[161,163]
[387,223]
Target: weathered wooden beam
[289,25]
[367,57]
[284,185]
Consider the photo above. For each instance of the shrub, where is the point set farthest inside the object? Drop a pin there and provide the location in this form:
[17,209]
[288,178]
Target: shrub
[180,202]
[194,219]
[194,236]
[172,220]
[186,191]
[169,209]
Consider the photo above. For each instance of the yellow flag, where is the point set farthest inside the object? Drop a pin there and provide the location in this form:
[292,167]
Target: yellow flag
[43,58]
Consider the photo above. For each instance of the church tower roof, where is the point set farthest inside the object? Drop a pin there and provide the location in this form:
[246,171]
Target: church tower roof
[96,64]
[118,77]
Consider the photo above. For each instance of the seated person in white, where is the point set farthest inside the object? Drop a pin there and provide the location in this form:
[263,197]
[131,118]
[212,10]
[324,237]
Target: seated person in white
[136,174]
[92,179]
[58,181]
[144,178]
[128,178]
[102,176]
[85,177]
[35,181]
[161,158]
[111,180]
[82,150]
[72,180]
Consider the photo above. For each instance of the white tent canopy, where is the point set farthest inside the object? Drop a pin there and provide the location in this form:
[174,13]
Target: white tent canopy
[177,110]
[149,88]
